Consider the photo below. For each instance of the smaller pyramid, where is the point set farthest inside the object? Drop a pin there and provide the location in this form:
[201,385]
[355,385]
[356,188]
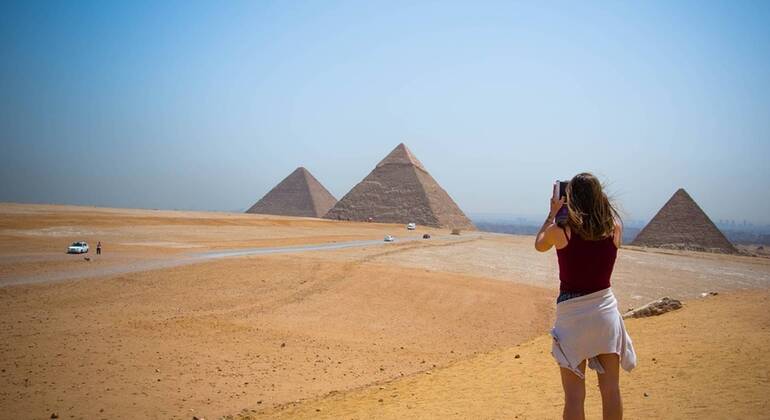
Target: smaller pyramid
[299,194]
[682,224]
[400,190]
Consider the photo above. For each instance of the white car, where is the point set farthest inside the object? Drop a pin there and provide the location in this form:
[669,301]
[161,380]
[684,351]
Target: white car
[389,238]
[411,226]
[78,248]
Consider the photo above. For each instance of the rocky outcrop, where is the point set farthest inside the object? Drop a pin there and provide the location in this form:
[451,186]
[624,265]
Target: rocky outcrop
[656,307]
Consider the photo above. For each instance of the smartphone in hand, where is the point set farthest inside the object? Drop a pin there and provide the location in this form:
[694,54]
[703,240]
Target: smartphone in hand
[560,191]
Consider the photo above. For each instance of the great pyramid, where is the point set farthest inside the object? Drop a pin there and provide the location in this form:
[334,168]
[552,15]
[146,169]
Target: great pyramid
[299,194]
[681,224]
[400,190]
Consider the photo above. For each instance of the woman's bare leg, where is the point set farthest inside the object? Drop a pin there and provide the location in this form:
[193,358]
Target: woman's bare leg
[574,393]
[609,385]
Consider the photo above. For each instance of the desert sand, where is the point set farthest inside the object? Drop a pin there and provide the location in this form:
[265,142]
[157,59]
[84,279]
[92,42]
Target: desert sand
[706,361]
[147,331]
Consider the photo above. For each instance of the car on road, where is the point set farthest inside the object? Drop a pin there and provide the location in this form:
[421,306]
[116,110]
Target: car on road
[79,247]
[411,226]
[426,236]
[389,238]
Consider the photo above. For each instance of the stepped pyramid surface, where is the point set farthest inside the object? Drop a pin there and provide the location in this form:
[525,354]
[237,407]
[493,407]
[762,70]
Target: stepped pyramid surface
[681,224]
[299,194]
[400,190]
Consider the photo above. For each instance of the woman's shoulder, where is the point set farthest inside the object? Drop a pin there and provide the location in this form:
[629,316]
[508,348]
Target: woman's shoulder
[559,235]
[617,233]
[553,229]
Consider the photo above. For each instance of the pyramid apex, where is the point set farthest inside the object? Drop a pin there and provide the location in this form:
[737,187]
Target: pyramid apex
[683,194]
[401,155]
[301,172]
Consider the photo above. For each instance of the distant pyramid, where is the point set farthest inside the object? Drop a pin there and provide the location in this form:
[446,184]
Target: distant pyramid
[299,194]
[400,190]
[681,224]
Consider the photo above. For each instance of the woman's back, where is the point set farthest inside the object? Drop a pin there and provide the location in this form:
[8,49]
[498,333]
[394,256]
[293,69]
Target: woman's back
[586,266]
[588,325]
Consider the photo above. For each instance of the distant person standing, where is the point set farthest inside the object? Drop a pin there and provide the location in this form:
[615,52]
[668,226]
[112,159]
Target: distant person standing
[588,324]
[99,248]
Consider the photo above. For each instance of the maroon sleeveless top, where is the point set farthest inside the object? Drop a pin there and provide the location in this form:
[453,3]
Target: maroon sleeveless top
[586,266]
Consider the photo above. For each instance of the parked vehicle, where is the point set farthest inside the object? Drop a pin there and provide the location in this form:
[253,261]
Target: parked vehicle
[79,247]
[426,236]
[389,238]
[411,226]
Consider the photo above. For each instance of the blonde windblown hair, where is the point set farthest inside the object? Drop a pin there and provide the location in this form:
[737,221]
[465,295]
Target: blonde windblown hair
[590,212]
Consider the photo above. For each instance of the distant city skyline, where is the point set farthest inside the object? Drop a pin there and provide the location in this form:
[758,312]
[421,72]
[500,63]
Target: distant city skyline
[207,106]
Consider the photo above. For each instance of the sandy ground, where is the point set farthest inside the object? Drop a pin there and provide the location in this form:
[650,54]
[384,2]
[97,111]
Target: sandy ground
[212,338]
[257,333]
[706,361]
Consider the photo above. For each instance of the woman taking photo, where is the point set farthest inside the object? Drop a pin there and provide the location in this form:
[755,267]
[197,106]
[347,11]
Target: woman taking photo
[588,325]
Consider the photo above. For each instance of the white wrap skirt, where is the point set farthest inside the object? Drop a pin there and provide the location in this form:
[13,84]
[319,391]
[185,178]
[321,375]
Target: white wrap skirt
[587,326]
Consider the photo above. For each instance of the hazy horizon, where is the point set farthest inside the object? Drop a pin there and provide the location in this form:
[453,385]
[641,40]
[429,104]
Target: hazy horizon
[206,106]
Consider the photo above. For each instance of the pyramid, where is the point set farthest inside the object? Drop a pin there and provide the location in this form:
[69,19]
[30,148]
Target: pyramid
[681,224]
[299,194]
[400,190]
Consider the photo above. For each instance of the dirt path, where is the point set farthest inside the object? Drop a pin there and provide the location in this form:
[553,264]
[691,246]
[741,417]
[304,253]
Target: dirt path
[640,275]
[33,239]
[175,260]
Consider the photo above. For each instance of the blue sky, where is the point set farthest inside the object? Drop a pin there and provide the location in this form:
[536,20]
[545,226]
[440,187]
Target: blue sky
[207,105]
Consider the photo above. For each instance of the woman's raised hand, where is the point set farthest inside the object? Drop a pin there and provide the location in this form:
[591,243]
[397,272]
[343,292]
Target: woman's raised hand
[556,205]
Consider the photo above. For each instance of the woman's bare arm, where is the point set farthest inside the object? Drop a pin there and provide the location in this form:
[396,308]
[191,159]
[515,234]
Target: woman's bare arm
[545,237]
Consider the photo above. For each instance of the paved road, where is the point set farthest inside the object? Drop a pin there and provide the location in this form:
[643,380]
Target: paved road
[210,255]
[156,264]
